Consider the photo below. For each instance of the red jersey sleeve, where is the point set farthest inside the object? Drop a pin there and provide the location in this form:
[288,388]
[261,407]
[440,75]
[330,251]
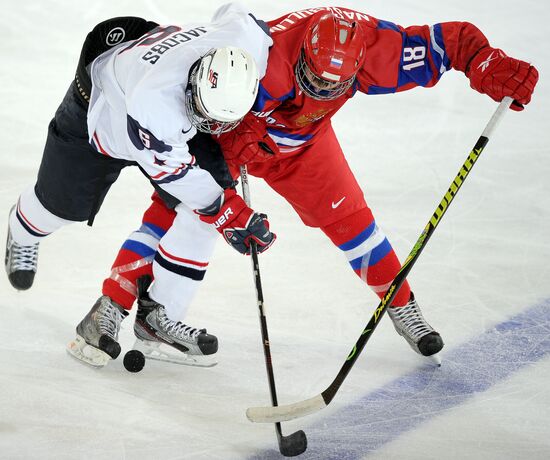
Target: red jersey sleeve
[401,58]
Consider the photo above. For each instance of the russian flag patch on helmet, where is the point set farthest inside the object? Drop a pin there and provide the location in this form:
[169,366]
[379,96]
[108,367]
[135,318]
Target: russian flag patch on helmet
[336,62]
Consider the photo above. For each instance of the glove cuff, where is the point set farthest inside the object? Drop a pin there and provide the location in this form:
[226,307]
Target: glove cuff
[226,208]
[481,65]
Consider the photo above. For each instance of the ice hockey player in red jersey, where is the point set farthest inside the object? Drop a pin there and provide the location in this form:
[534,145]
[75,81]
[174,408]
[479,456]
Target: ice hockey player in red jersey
[322,57]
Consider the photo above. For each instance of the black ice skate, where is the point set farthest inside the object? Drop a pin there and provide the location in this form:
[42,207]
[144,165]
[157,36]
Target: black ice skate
[20,262]
[153,328]
[97,334]
[411,325]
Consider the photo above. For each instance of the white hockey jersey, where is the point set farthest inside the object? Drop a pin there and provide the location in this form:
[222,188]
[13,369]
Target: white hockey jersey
[137,107]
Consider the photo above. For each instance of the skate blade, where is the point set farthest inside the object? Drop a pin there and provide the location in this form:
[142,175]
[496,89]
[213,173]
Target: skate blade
[436,359]
[155,351]
[79,349]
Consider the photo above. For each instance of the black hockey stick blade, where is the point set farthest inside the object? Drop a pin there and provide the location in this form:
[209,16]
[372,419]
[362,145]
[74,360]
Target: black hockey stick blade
[292,445]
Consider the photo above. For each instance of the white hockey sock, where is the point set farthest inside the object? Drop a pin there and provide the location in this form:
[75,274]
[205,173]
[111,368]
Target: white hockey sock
[174,291]
[30,221]
[181,262]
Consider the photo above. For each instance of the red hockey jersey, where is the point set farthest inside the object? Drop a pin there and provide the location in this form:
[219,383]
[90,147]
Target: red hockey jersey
[397,59]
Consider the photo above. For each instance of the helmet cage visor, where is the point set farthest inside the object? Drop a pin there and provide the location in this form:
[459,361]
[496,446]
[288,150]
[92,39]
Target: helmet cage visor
[316,87]
[196,111]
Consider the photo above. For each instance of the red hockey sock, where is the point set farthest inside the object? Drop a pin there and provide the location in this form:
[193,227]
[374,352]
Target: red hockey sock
[135,257]
[369,253]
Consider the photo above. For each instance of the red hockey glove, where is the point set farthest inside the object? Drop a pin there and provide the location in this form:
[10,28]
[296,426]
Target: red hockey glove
[248,142]
[238,223]
[493,73]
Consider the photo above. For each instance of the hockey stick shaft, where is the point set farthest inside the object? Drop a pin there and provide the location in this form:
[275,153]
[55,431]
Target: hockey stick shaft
[309,406]
[295,443]
[259,295]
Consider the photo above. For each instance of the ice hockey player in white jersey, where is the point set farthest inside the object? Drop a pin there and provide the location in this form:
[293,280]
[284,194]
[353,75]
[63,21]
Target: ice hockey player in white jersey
[141,95]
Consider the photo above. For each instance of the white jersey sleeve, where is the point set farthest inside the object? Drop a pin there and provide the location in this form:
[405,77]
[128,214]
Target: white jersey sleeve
[137,108]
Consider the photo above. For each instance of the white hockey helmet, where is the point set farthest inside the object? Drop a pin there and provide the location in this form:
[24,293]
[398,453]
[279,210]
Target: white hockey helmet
[222,88]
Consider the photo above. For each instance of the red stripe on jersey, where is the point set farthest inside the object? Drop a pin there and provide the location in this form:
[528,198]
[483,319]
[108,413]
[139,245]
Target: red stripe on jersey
[159,175]
[174,172]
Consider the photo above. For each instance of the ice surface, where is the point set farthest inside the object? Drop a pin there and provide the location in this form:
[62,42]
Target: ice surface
[482,281]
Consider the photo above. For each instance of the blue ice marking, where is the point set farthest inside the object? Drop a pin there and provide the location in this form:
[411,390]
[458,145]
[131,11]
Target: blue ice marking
[404,404]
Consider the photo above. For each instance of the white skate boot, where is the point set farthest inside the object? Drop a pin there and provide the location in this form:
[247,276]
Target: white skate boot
[411,325]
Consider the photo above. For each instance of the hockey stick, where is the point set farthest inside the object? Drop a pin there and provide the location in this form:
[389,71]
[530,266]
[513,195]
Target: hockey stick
[295,443]
[311,405]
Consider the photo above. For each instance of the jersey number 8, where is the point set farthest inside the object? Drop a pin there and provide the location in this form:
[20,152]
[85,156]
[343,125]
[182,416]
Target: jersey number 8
[416,54]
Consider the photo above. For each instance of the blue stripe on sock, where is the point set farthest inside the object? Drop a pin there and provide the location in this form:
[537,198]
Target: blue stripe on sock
[157,231]
[356,264]
[139,248]
[374,256]
[379,252]
[363,236]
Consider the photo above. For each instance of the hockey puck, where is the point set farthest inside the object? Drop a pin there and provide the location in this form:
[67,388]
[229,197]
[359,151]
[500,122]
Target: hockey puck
[134,361]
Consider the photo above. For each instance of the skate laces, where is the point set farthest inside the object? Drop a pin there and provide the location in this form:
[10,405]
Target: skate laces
[109,319]
[176,328]
[23,257]
[411,319]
